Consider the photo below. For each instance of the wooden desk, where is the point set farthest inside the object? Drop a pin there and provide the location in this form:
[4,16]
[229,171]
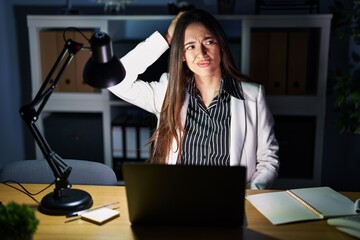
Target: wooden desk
[258,227]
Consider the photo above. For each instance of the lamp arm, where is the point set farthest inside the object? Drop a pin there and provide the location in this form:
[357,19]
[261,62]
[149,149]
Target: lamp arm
[44,92]
[30,115]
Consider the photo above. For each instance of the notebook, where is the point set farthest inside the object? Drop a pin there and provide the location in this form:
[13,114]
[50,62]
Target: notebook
[302,204]
[184,195]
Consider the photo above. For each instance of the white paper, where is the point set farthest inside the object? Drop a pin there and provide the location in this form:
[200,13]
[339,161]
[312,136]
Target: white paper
[100,215]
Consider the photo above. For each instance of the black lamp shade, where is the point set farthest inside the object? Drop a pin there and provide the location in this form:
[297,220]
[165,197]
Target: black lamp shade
[103,69]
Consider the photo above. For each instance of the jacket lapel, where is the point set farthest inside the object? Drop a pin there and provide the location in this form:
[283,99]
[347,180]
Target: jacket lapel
[238,131]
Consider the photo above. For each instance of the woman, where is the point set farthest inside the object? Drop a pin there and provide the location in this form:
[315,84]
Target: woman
[207,113]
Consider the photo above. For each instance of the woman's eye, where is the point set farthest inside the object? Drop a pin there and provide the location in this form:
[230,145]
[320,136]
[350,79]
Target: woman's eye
[189,47]
[209,42]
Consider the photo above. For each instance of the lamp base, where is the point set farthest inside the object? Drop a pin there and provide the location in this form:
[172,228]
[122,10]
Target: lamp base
[71,200]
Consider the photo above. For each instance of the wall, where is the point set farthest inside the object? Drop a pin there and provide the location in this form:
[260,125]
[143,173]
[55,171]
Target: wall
[341,159]
[11,129]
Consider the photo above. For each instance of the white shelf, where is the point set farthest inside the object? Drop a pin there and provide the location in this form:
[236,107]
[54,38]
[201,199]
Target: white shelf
[238,28]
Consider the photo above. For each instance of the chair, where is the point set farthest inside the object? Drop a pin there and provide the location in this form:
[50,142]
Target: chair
[39,171]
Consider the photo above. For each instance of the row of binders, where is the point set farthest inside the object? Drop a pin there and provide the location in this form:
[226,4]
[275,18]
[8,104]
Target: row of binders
[284,60]
[131,131]
[130,134]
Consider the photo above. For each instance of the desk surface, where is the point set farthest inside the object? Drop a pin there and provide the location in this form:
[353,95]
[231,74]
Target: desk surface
[258,227]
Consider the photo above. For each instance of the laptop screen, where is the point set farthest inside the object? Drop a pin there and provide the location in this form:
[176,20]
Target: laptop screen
[185,194]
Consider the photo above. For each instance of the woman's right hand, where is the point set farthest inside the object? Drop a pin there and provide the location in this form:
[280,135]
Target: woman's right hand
[170,31]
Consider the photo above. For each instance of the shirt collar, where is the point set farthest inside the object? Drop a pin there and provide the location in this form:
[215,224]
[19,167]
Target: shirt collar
[228,85]
[233,87]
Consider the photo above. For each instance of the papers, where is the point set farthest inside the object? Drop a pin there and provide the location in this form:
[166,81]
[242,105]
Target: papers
[100,215]
[302,204]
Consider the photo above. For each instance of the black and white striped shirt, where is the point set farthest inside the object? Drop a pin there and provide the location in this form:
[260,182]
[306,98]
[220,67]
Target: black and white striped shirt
[206,139]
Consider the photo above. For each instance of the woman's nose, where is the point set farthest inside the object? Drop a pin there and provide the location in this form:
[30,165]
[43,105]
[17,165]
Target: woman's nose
[202,50]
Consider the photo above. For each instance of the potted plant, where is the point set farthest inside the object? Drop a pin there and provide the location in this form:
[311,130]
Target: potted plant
[346,23]
[17,222]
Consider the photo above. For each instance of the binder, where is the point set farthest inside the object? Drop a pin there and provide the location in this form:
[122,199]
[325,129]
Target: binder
[79,63]
[277,63]
[268,60]
[49,53]
[297,63]
[117,142]
[144,135]
[131,143]
[67,81]
[259,57]
[117,133]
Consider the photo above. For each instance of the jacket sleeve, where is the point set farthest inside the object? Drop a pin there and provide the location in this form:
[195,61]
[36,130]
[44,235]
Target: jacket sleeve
[146,95]
[267,164]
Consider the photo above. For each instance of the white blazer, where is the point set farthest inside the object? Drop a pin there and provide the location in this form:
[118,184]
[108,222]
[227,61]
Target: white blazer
[253,143]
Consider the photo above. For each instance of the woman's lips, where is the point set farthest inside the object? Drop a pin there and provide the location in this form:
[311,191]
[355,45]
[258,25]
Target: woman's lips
[203,63]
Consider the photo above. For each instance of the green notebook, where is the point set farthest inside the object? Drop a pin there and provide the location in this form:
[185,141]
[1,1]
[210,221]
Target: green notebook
[302,204]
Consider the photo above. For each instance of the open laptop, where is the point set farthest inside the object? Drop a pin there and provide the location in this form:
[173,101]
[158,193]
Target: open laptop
[185,195]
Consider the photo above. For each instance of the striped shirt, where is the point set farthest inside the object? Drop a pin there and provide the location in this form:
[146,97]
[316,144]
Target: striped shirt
[206,140]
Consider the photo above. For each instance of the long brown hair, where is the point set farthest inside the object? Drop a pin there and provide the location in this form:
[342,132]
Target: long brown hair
[170,126]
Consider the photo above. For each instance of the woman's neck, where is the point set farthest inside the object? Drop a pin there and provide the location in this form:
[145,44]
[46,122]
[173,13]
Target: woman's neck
[208,87]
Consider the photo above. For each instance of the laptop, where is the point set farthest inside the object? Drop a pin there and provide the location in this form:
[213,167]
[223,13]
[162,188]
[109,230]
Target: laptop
[185,195]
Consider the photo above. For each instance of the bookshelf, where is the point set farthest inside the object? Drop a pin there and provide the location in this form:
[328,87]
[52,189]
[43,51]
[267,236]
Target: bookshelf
[303,105]
[308,105]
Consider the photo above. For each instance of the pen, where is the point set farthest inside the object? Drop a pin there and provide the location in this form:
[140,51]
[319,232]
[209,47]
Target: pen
[78,213]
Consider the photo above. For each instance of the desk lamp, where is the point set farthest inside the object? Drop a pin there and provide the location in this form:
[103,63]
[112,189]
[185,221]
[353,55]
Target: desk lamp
[102,70]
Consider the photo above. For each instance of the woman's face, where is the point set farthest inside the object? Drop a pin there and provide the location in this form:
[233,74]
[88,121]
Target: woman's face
[202,53]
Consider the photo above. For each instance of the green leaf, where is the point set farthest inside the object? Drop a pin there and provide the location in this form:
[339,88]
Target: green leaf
[346,23]
[17,221]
